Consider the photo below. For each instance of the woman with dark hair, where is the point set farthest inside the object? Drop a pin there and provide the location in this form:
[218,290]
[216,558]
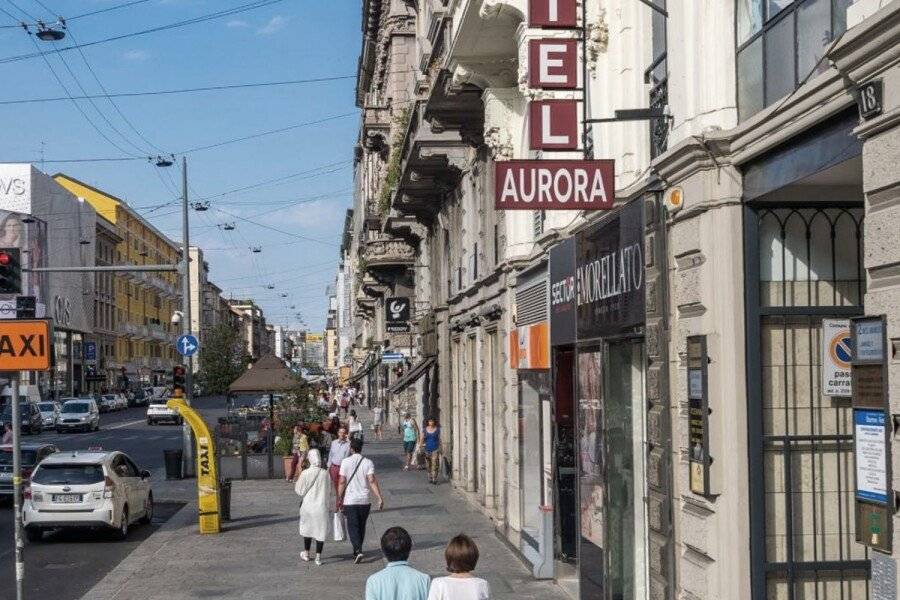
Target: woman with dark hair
[462,556]
[431,442]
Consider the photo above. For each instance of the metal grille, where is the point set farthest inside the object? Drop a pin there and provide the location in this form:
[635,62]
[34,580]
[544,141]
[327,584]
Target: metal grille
[808,267]
[531,304]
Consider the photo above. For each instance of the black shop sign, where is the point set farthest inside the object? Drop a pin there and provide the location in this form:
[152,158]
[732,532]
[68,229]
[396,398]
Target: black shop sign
[609,274]
[562,293]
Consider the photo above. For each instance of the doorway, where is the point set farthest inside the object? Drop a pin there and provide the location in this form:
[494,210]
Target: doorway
[565,466]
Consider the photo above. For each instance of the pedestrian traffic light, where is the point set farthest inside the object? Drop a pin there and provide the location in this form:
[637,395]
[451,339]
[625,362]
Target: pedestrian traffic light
[10,271]
[178,378]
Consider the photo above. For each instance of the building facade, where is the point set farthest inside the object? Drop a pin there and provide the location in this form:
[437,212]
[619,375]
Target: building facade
[672,433]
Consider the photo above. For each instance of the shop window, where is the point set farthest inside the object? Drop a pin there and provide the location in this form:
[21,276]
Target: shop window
[780,44]
[534,395]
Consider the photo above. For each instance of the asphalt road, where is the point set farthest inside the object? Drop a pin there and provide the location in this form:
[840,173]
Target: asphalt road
[66,565]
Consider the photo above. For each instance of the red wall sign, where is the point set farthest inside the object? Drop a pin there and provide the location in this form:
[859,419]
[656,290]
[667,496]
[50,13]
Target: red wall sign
[553,64]
[553,13]
[554,185]
[553,124]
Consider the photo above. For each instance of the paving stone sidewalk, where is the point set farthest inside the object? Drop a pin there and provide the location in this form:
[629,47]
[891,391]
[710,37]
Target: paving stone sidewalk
[257,554]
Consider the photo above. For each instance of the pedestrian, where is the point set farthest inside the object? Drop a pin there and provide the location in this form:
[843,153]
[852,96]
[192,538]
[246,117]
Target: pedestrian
[410,431]
[431,441]
[397,581]
[299,448]
[339,450]
[378,422]
[7,433]
[356,485]
[354,425]
[335,423]
[326,436]
[317,506]
[345,402]
[461,556]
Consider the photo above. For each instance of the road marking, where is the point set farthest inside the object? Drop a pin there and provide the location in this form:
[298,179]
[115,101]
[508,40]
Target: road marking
[126,424]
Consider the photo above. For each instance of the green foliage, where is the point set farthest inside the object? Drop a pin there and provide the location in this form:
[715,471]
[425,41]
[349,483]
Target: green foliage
[298,406]
[392,177]
[222,359]
[283,446]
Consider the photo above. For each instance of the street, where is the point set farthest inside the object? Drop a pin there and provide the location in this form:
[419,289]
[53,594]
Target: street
[66,565]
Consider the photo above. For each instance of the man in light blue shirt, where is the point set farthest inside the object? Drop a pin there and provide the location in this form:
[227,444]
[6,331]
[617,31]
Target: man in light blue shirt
[397,581]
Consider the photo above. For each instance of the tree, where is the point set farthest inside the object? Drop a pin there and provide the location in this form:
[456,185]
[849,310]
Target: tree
[223,359]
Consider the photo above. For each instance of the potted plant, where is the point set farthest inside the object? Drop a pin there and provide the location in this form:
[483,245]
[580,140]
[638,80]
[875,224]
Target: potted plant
[283,447]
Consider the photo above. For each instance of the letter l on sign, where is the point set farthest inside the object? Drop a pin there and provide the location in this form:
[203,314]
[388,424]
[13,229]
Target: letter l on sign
[553,124]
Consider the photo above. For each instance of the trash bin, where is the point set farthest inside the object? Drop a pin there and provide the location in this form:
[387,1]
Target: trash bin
[225,500]
[172,459]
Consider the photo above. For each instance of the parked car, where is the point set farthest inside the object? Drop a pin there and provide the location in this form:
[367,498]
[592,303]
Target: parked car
[30,415]
[121,401]
[32,454]
[49,412]
[107,403]
[78,415]
[92,490]
[158,412]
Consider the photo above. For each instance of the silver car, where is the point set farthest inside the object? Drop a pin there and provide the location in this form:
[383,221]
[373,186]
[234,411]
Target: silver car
[49,413]
[78,415]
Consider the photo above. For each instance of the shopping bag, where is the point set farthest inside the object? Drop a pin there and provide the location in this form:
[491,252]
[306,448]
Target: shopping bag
[340,528]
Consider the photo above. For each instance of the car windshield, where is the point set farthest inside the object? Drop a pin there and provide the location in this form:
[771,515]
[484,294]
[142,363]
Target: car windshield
[46,406]
[24,409]
[75,407]
[68,474]
[6,457]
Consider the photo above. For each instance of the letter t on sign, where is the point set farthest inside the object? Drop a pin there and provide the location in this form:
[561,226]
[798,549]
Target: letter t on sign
[550,14]
[553,124]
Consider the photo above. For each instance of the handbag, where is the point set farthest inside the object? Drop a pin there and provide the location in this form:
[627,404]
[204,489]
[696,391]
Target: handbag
[340,530]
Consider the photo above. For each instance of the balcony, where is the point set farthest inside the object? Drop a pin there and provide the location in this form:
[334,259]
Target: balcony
[388,254]
[158,332]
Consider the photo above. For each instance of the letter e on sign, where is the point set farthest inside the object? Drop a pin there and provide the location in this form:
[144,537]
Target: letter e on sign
[24,345]
[554,124]
[562,14]
[553,64]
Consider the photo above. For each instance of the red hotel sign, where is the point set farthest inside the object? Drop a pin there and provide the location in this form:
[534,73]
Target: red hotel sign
[554,185]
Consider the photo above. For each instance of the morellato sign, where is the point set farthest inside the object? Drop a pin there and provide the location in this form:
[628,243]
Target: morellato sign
[554,185]
[609,273]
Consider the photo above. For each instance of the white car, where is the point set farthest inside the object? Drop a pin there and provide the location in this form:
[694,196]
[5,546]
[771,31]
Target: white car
[49,413]
[78,415]
[87,490]
[121,400]
[158,412]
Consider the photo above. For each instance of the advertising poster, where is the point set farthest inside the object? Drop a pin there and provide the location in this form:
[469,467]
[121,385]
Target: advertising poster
[590,445]
[871,455]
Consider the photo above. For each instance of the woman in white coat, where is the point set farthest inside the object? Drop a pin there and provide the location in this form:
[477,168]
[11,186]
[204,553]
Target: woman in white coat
[317,505]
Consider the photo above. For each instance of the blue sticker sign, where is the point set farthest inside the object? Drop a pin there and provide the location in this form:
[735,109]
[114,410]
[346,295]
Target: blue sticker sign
[90,351]
[187,345]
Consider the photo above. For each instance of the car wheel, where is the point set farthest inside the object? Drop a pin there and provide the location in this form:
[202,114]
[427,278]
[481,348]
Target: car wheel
[122,531]
[33,534]
[149,422]
[148,511]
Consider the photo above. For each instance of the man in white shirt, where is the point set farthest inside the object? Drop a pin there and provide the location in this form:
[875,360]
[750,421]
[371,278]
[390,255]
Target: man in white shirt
[357,480]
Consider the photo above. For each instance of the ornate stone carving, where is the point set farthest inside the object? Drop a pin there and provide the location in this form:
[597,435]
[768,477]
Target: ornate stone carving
[499,143]
[492,9]
[598,39]
[386,253]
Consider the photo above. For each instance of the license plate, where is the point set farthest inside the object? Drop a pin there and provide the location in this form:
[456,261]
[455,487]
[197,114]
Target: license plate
[67,498]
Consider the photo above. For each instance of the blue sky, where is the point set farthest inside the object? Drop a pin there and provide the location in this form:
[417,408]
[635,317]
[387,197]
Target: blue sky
[289,40]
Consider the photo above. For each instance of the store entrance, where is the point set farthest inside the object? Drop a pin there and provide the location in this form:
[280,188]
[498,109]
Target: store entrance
[565,466]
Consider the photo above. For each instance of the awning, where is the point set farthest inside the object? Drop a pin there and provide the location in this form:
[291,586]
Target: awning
[364,370]
[413,375]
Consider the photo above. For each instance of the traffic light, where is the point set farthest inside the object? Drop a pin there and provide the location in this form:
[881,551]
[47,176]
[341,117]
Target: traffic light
[10,271]
[178,378]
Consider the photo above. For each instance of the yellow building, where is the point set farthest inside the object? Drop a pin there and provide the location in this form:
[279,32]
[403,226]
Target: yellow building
[145,301]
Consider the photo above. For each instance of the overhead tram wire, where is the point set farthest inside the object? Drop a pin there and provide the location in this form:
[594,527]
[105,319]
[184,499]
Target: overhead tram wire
[201,19]
[19,8]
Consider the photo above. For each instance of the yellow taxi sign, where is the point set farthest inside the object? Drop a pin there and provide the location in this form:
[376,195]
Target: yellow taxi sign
[25,345]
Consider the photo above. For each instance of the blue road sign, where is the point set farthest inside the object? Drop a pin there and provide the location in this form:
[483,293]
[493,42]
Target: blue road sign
[187,345]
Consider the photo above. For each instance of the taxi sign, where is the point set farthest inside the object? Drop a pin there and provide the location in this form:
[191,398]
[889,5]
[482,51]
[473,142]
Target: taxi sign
[25,345]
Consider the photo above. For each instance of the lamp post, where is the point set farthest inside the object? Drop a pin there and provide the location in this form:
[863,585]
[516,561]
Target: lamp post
[187,442]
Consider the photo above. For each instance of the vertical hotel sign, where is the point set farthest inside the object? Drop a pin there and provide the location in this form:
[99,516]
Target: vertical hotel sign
[553,127]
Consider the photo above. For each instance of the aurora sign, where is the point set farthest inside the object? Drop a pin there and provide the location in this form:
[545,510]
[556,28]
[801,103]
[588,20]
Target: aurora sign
[554,185]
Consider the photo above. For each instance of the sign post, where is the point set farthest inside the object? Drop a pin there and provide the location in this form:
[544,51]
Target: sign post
[24,346]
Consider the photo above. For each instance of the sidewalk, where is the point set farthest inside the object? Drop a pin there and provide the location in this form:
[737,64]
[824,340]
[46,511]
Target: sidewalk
[257,554]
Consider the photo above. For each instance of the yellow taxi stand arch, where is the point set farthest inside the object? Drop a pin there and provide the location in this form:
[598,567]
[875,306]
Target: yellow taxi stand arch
[207,480]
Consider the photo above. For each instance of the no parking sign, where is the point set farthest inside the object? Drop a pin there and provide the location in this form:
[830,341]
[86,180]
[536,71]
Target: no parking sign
[837,350]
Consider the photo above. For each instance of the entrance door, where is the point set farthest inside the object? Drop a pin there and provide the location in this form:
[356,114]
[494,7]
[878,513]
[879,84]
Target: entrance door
[565,467]
[613,543]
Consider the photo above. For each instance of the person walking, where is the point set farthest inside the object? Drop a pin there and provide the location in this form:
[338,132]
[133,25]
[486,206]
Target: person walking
[337,452]
[299,448]
[345,402]
[461,556]
[410,436]
[431,441]
[397,581]
[378,422]
[356,485]
[317,506]
[7,434]
[354,425]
